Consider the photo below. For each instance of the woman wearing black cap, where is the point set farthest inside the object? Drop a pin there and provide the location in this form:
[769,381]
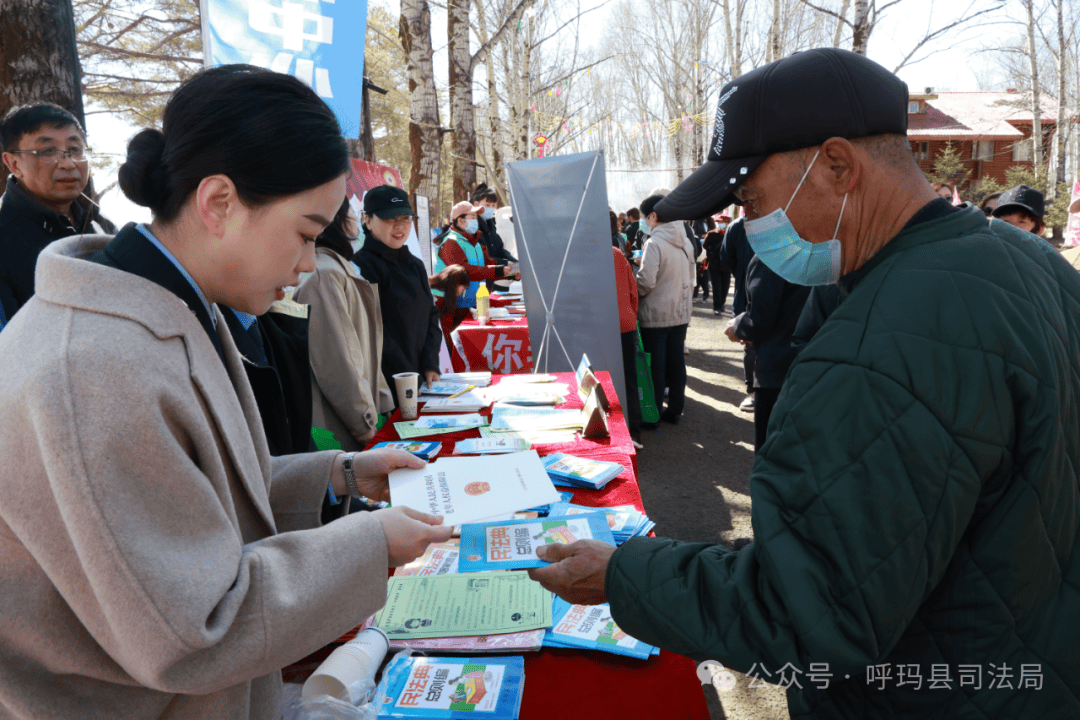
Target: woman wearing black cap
[411,332]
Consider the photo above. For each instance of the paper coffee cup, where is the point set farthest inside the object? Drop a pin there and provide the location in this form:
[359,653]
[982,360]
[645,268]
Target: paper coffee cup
[407,383]
[349,673]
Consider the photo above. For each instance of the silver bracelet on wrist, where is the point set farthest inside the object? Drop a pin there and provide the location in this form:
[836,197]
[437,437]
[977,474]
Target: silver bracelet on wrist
[350,476]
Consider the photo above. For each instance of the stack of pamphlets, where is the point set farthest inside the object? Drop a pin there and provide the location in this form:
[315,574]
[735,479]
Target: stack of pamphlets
[581,472]
[535,437]
[422,450]
[463,604]
[546,509]
[512,544]
[468,402]
[530,393]
[453,687]
[489,446]
[443,388]
[408,430]
[591,627]
[509,417]
[435,422]
[625,521]
[479,379]
[441,559]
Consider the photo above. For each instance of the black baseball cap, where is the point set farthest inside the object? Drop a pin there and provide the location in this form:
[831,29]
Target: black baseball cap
[800,101]
[1021,197]
[387,201]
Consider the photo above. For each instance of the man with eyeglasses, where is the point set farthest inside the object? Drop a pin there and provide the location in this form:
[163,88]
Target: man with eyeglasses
[45,151]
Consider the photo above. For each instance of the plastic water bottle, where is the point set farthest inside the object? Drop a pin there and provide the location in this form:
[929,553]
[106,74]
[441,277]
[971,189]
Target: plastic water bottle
[483,305]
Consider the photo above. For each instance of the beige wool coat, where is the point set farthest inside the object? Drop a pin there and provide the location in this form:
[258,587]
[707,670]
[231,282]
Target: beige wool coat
[155,560]
[666,278]
[345,341]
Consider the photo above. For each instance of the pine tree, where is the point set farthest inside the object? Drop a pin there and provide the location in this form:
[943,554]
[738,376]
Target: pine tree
[949,167]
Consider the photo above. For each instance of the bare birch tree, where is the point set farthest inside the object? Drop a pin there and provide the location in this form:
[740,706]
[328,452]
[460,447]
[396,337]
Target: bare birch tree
[425,133]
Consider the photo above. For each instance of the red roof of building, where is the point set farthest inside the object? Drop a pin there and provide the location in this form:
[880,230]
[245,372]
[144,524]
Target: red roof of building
[978,115]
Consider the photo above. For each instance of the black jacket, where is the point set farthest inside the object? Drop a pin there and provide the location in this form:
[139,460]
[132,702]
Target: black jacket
[26,227]
[489,237]
[773,307]
[411,331]
[736,254]
[713,243]
[276,361]
[633,237]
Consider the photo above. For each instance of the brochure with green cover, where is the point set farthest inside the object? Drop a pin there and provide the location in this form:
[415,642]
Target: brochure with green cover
[463,604]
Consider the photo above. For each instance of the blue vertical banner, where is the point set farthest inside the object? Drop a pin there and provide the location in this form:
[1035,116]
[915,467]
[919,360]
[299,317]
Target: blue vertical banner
[319,41]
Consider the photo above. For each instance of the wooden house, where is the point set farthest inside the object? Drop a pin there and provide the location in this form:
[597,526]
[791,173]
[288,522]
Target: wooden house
[992,131]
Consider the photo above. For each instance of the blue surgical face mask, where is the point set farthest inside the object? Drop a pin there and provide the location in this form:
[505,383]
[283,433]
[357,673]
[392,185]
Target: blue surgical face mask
[471,226]
[487,213]
[358,241]
[644,227]
[779,246]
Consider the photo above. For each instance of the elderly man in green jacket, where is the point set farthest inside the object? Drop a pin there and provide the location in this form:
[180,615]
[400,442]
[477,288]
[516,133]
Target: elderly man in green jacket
[915,507]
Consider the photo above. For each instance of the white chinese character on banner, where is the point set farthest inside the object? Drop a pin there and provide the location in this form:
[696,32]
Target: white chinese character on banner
[288,23]
[317,78]
[502,355]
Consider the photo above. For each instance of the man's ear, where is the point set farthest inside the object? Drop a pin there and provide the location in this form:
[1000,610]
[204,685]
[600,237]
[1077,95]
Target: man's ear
[844,164]
[11,160]
[216,202]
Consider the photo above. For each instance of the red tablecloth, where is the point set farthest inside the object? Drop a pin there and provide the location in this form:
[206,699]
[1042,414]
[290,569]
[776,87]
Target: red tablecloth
[574,684]
[501,347]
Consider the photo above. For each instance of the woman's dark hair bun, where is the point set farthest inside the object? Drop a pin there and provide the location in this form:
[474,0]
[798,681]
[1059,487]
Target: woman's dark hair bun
[143,176]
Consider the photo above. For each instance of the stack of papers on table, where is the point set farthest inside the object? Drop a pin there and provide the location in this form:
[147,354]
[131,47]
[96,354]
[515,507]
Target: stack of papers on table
[469,402]
[509,417]
[435,422]
[479,378]
[451,687]
[491,446]
[625,521]
[474,489]
[528,378]
[463,604]
[422,450]
[408,429]
[581,472]
[512,544]
[591,627]
[442,559]
[443,388]
[535,437]
[530,393]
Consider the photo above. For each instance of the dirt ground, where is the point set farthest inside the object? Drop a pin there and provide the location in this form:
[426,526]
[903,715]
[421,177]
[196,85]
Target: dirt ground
[694,478]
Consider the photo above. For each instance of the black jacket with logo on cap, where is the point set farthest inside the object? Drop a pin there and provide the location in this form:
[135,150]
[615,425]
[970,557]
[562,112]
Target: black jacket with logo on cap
[411,332]
[26,227]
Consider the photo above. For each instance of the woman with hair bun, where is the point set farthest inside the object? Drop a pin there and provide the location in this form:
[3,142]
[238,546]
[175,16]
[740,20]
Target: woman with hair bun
[158,562]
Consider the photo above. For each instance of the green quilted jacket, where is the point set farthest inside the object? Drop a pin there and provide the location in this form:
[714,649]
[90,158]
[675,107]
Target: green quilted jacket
[915,507]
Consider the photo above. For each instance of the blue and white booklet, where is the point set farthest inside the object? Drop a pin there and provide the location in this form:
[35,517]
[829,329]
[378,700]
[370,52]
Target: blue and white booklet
[625,521]
[422,450]
[591,627]
[512,544]
[580,472]
[453,687]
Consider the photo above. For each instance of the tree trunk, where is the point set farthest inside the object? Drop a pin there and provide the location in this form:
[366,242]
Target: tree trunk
[462,119]
[425,137]
[38,57]
[840,23]
[1060,136]
[734,36]
[774,32]
[1036,110]
[861,33]
[495,171]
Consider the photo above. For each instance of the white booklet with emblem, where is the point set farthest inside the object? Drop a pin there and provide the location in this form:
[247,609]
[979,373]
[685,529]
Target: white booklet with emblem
[472,489]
